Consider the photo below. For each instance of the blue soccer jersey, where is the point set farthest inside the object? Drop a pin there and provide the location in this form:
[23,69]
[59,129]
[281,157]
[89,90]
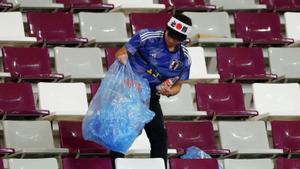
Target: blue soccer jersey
[151,59]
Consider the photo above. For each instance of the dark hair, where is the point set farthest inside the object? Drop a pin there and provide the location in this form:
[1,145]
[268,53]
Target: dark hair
[177,35]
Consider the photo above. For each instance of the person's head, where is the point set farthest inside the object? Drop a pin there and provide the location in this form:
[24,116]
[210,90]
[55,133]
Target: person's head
[177,29]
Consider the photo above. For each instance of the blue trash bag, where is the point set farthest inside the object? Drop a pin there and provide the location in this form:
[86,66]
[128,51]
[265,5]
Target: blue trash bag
[194,152]
[119,110]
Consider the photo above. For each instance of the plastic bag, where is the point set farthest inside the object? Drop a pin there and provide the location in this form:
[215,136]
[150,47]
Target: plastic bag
[119,110]
[194,152]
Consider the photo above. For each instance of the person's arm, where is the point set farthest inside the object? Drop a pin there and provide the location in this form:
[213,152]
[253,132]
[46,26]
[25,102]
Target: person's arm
[130,47]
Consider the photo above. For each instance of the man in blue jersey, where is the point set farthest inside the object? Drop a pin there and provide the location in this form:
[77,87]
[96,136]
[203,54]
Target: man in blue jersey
[160,57]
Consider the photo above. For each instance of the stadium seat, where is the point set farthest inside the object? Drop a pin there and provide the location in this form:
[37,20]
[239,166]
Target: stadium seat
[198,70]
[211,28]
[53,28]
[17,101]
[180,105]
[231,5]
[283,163]
[282,5]
[87,163]
[30,138]
[242,65]
[222,100]
[12,32]
[28,64]
[276,101]
[63,100]
[70,134]
[140,21]
[138,163]
[4,5]
[285,63]
[292,26]
[127,7]
[246,138]
[263,31]
[193,163]
[248,163]
[94,88]
[187,5]
[45,163]
[286,136]
[185,134]
[86,5]
[103,28]
[36,4]
[141,147]
[110,56]
[79,63]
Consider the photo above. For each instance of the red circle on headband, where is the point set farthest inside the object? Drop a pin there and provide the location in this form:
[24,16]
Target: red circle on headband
[178,26]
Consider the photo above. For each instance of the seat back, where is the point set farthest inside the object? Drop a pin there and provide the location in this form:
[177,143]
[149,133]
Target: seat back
[110,56]
[194,163]
[69,2]
[63,98]
[210,23]
[135,163]
[87,163]
[276,99]
[80,63]
[16,96]
[283,163]
[182,3]
[25,2]
[278,4]
[11,25]
[141,144]
[286,135]
[94,88]
[232,3]
[180,135]
[180,104]
[71,137]
[51,26]
[45,163]
[28,134]
[149,20]
[248,163]
[103,27]
[126,2]
[292,26]
[238,62]
[285,62]
[243,135]
[26,61]
[221,97]
[249,27]
[198,68]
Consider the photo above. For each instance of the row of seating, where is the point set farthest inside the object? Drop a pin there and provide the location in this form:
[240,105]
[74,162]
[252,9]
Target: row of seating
[157,163]
[238,139]
[178,5]
[110,28]
[213,100]
[233,64]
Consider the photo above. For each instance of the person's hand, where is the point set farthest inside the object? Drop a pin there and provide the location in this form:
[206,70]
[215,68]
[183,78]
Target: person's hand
[165,90]
[123,58]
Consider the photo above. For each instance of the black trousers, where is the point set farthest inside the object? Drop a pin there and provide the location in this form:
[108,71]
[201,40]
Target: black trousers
[155,131]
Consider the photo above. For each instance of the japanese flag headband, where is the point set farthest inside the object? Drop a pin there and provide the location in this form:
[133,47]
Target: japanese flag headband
[179,26]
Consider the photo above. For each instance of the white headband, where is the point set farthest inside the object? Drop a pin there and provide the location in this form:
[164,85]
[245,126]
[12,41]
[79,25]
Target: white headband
[179,26]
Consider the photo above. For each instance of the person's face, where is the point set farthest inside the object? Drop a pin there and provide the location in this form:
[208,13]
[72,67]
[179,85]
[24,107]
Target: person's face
[171,42]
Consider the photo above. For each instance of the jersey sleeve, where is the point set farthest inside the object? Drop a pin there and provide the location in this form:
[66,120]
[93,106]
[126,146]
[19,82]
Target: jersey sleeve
[134,43]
